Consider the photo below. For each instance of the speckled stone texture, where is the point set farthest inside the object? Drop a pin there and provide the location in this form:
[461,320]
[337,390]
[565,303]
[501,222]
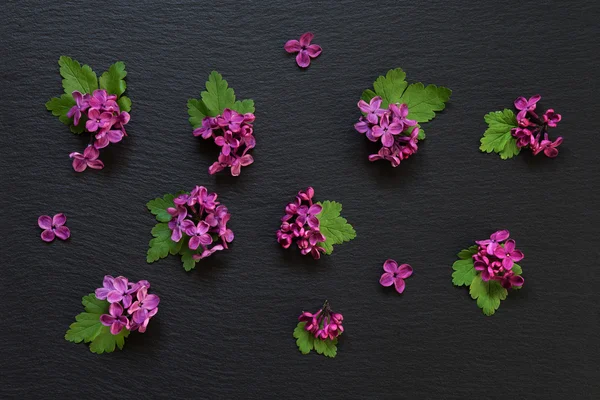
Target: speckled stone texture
[225,330]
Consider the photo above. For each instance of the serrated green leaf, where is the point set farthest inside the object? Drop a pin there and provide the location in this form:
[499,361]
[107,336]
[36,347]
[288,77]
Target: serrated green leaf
[197,111]
[498,137]
[187,258]
[77,77]
[326,347]
[390,87]
[488,294]
[159,207]
[464,272]
[60,106]
[244,106]
[79,129]
[161,245]
[335,228]
[88,328]
[124,103]
[113,81]
[516,268]
[466,254]
[367,95]
[423,101]
[304,340]
[218,95]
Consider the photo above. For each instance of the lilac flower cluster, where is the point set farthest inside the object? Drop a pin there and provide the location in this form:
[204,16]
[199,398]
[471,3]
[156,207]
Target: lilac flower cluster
[392,127]
[324,324]
[531,127]
[131,307]
[233,132]
[104,119]
[305,225]
[496,257]
[198,218]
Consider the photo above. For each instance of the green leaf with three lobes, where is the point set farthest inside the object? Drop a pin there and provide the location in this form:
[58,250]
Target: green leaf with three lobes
[88,328]
[464,271]
[113,80]
[498,137]
[391,86]
[60,106]
[162,245]
[217,96]
[159,207]
[124,103]
[335,228]
[326,347]
[77,77]
[488,294]
[307,342]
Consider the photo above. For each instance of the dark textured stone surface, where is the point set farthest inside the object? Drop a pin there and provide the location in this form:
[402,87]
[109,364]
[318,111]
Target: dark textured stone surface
[224,330]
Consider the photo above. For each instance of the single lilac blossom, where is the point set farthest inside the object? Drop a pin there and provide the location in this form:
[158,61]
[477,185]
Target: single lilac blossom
[508,254]
[143,306]
[54,227]
[395,274]
[81,104]
[304,48]
[89,158]
[115,319]
[372,110]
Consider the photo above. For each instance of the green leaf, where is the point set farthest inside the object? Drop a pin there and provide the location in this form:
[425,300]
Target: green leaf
[466,254]
[326,347]
[244,106]
[464,272]
[218,95]
[367,95]
[488,294]
[159,207]
[113,79]
[186,257]
[498,137]
[390,87]
[335,228]
[60,106]
[517,269]
[124,103]
[161,245]
[197,111]
[304,340]
[77,77]
[421,134]
[88,328]
[423,101]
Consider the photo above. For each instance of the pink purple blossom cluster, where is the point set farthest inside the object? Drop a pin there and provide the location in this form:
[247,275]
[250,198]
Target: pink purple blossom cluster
[104,119]
[131,307]
[391,127]
[300,222]
[531,127]
[199,219]
[233,132]
[324,324]
[495,259]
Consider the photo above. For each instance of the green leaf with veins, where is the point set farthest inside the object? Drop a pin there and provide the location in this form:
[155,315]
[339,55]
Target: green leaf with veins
[77,77]
[488,294]
[498,137]
[335,228]
[304,339]
[424,101]
[159,207]
[113,80]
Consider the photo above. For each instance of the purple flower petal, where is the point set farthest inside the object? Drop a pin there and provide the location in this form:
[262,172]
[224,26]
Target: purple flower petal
[390,266]
[47,235]
[314,50]
[292,46]
[399,284]
[107,320]
[387,279]
[302,59]
[404,271]
[306,38]
[62,232]
[45,222]
[151,301]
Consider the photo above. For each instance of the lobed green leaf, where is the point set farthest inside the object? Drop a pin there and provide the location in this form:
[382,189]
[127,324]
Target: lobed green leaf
[77,77]
[335,228]
[113,81]
[488,294]
[498,137]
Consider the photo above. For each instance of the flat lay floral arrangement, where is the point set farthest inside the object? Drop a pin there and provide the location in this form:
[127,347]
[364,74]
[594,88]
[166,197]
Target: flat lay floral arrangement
[195,224]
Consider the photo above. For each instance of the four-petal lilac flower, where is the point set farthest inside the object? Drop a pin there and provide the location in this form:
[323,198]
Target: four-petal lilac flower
[372,109]
[89,158]
[116,320]
[143,306]
[508,254]
[81,104]
[304,48]
[54,227]
[395,274]
[492,243]
[198,235]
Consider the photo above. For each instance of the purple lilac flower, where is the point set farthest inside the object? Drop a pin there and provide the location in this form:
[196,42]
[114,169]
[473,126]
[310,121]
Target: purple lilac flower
[324,324]
[395,274]
[305,225]
[304,48]
[104,120]
[119,292]
[54,227]
[199,218]
[495,259]
[531,128]
[398,134]
[232,132]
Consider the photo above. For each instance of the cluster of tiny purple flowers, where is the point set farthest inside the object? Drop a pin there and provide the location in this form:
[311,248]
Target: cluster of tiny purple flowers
[300,222]
[392,127]
[233,132]
[104,119]
[200,218]
[495,259]
[324,324]
[131,307]
[532,128]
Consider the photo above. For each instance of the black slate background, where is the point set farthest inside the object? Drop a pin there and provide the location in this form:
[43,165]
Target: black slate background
[224,330]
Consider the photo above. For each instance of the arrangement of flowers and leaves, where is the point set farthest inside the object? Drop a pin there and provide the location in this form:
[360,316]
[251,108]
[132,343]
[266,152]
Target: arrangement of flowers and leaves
[115,310]
[94,105]
[489,268]
[319,331]
[315,227]
[192,225]
[217,115]
[508,133]
[393,111]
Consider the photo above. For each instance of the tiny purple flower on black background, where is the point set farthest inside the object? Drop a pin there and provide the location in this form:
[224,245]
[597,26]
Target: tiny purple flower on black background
[395,275]
[304,48]
[54,227]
